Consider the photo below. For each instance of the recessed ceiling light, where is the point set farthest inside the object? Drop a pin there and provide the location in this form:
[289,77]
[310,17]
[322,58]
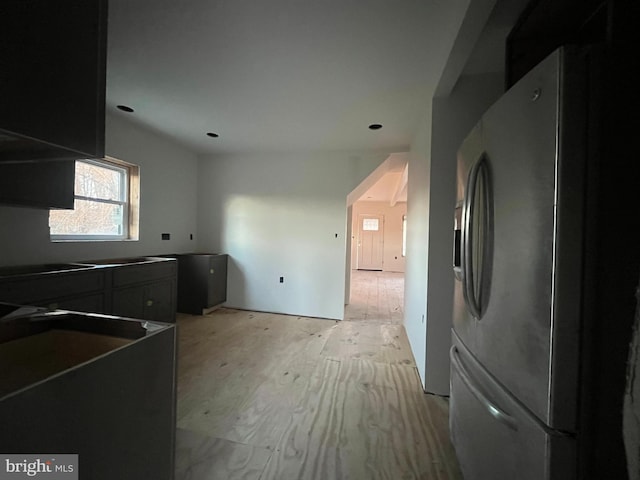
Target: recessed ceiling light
[212,135]
[124,108]
[375,126]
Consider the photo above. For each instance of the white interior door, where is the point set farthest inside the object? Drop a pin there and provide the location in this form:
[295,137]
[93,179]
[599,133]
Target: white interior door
[370,242]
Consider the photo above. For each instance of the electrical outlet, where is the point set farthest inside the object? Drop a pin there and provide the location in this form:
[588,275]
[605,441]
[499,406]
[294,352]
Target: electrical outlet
[281,279]
[166,236]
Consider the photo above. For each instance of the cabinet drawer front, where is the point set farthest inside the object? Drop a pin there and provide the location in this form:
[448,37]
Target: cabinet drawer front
[131,274]
[43,287]
[89,303]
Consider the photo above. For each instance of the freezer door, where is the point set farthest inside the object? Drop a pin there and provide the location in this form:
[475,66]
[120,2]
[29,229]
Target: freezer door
[527,335]
[494,436]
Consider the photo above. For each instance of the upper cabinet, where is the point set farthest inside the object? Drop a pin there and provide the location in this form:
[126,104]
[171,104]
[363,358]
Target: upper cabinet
[52,79]
[546,25]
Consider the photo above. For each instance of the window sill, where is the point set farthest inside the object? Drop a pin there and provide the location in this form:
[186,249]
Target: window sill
[83,240]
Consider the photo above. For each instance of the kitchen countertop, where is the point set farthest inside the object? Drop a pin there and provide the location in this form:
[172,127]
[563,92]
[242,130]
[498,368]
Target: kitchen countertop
[54,268]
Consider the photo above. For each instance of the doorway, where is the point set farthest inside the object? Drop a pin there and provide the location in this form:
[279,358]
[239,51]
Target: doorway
[381,200]
[370,242]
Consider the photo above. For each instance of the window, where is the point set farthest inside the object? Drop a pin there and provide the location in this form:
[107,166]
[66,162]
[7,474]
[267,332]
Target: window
[370,224]
[106,203]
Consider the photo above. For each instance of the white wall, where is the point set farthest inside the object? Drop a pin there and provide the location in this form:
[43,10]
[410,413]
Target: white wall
[415,283]
[278,215]
[431,199]
[349,252]
[452,117]
[392,259]
[168,178]
[458,104]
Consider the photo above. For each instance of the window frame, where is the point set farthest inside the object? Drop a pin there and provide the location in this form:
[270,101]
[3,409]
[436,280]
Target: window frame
[129,200]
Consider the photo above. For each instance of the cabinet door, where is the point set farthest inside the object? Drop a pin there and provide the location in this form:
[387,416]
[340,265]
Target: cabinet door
[159,301]
[129,302]
[41,185]
[154,301]
[53,79]
[217,282]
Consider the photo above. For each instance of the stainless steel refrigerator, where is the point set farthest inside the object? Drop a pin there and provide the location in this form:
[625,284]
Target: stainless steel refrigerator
[519,260]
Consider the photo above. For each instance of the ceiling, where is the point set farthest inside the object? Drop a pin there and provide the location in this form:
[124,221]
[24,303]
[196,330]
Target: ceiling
[485,43]
[299,75]
[279,75]
[383,189]
[387,183]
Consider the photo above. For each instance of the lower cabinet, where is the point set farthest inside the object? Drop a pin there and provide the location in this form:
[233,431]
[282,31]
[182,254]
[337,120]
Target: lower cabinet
[96,391]
[202,281]
[155,301]
[88,303]
[145,290]
[82,290]
[128,302]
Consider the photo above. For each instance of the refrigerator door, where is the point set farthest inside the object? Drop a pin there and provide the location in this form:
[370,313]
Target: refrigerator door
[527,332]
[494,436]
[470,152]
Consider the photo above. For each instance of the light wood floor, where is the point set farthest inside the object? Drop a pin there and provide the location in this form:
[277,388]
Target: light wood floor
[276,397]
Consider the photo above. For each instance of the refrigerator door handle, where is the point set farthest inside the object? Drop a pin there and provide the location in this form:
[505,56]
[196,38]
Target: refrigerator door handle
[493,409]
[457,241]
[478,171]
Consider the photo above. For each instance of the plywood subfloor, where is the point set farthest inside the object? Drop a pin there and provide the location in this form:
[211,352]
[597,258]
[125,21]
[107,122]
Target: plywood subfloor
[272,397]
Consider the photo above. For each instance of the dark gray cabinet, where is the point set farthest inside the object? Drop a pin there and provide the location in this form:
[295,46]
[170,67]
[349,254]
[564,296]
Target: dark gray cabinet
[38,184]
[53,64]
[144,289]
[101,388]
[202,281]
[546,25]
[84,303]
[80,289]
[53,84]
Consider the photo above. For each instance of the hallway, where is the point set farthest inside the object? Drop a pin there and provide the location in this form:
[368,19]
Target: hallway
[376,296]
[277,397]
